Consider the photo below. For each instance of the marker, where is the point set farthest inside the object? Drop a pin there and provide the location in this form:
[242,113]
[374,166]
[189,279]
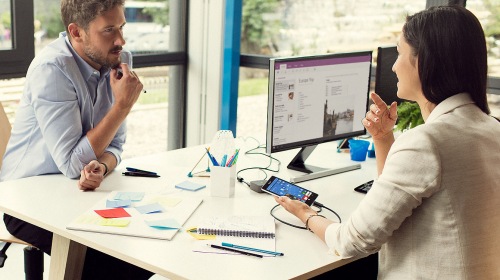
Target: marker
[236,251]
[252,249]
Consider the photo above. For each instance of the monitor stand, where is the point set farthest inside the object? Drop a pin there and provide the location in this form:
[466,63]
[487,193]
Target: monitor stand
[313,172]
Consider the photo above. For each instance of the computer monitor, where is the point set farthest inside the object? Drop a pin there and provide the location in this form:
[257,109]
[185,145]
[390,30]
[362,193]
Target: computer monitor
[386,81]
[316,99]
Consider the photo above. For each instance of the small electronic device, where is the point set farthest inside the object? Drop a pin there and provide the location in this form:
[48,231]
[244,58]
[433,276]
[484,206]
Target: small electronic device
[364,188]
[386,81]
[279,187]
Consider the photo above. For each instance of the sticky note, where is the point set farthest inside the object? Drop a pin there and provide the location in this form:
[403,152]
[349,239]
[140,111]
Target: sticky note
[113,213]
[134,196]
[150,208]
[190,186]
[115,222]
[167,201]
[118,203]
[193,233]
[165,224]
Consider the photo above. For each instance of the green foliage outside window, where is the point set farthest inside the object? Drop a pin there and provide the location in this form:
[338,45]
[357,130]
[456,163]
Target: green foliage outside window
[256,32]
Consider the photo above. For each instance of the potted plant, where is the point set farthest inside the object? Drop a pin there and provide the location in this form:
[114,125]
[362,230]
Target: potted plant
[409,116]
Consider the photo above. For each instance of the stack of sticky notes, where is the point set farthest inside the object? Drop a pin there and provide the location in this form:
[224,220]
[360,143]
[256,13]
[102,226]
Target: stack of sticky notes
[189,186]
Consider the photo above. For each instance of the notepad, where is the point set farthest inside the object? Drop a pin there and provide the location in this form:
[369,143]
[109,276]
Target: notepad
[145,219]
[250,231]
[190,186]
[239,226]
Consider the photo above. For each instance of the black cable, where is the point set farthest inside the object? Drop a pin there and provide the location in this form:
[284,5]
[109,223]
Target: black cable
[260,168]
[317,204]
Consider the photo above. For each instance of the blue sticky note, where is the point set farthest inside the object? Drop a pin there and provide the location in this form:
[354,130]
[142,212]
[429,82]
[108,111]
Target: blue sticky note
[134,196]
[190,186]
[150,208]
[118,203]
[166,224]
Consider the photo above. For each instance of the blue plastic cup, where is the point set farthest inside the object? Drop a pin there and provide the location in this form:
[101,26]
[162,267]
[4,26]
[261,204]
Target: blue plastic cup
[358,149]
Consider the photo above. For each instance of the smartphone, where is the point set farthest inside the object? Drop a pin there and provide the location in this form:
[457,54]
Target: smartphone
[280,187]
[364,188]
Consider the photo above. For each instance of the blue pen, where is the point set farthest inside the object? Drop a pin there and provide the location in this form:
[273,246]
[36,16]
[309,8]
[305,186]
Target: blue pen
[223,161]
[132,169]
[214,161]
[252,249]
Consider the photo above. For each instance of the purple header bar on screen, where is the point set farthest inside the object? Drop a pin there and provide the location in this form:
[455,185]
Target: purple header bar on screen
[308,62]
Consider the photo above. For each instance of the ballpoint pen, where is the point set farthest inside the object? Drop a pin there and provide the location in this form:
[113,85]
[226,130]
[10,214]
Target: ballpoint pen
[223,161]
[230,161]
[236,251]
[235,158]
[132,169]
[214,161]
[140,174]
[224,244]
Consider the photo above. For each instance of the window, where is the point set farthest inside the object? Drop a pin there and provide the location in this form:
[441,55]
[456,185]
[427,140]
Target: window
[16,37]
[293,27]
[155,34]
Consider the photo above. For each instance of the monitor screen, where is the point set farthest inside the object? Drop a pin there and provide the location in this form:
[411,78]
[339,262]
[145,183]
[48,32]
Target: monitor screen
[316,99]
[386,81]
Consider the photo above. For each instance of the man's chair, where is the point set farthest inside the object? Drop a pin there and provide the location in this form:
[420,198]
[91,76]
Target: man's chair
[33,257]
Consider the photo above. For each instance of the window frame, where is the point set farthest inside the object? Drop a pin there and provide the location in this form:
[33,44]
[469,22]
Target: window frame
[15,61]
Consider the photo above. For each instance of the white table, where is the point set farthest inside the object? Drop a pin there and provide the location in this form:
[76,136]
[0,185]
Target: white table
[53,201]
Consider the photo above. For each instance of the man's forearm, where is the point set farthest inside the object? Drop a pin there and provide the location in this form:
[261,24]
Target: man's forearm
[103,133]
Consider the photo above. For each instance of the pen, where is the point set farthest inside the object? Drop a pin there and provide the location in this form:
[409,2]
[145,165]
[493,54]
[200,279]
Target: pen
[252,249]
[139,170]
[140,174]
[236,251]
[231,158]
[235,159]
[214,161]
[223,161]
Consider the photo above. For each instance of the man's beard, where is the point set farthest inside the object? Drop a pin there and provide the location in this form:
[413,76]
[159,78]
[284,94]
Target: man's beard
[100,58]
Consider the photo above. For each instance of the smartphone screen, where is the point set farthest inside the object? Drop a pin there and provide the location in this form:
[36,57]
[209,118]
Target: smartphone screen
[280,187]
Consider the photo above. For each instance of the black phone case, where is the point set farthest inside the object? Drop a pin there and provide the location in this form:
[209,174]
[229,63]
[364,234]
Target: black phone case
[364,188]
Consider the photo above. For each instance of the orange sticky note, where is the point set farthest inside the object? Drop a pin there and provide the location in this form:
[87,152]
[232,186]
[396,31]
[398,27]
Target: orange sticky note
[113,213]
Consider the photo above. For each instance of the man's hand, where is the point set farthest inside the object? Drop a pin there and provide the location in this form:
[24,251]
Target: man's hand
[91,176]
[127,88]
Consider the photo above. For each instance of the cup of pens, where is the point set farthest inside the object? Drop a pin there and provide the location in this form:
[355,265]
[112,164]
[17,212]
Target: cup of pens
[222,181]
[223,157]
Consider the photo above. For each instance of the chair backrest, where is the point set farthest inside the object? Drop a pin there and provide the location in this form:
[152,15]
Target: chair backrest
[5,128]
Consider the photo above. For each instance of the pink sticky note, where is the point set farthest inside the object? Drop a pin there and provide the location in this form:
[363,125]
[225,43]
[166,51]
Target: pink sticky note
[113,213]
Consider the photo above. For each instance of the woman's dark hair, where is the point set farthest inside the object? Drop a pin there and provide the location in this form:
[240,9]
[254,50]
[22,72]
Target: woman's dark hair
[451,49]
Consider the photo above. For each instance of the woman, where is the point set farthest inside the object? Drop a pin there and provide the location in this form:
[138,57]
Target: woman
[433,211]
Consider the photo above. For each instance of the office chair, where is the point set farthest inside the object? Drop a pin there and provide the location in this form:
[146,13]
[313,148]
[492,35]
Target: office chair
[33,257]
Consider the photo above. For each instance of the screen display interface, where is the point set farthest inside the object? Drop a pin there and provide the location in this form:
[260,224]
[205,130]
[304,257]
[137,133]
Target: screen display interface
[318,99]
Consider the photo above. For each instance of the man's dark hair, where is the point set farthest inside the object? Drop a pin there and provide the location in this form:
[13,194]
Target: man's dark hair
[82,12]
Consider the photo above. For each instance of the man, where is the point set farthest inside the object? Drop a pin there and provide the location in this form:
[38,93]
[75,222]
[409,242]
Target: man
[71,116]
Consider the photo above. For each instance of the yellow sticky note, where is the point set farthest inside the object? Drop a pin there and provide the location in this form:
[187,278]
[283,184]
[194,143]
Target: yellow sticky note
[89,220]
[192,232]
[167,201]
[115,222]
